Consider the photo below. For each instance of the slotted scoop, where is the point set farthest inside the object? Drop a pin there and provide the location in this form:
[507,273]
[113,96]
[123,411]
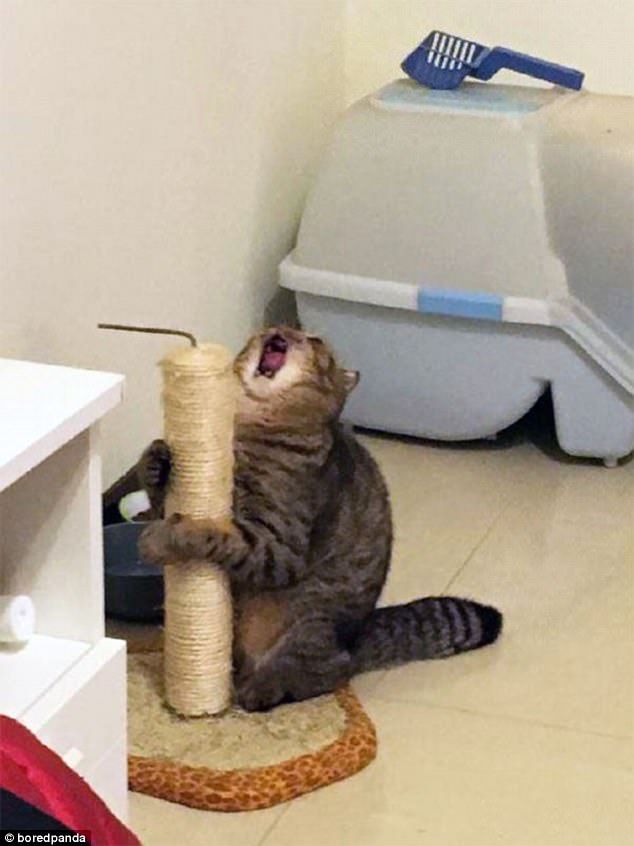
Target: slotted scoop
[442,61]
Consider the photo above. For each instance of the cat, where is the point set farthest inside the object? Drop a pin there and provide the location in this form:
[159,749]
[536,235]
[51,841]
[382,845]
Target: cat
[309,550]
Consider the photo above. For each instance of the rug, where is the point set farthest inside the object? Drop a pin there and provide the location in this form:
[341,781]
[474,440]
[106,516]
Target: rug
[238,761]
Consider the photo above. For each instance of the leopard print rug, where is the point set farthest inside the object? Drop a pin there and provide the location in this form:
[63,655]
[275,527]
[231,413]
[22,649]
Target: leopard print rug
[247,789]
[166,757]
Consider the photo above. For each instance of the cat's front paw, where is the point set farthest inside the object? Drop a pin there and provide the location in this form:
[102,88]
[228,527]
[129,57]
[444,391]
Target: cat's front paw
[157,542]
[154,470]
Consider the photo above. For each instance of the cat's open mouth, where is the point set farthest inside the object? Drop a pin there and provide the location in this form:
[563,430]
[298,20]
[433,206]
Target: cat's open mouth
[273,356]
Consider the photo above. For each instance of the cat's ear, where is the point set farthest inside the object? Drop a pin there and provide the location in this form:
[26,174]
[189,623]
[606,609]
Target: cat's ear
[350,379]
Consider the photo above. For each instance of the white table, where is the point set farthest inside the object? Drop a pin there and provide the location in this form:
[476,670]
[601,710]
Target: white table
[67,684]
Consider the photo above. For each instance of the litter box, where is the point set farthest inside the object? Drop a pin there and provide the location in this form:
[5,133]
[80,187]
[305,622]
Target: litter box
[467,250]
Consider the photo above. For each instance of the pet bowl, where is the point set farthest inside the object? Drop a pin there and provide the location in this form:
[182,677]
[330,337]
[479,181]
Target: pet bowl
[134,589]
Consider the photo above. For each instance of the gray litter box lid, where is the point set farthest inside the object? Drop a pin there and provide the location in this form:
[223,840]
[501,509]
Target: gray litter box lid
[492,202]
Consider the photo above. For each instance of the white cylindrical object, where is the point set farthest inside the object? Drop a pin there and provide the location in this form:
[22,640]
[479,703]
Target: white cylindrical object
[17,619]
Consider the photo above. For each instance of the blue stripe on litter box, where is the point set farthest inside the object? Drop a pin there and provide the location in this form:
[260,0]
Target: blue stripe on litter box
[460,303]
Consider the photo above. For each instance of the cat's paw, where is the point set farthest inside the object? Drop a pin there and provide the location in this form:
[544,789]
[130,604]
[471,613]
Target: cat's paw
[157,542]
[255,694]
[154,467]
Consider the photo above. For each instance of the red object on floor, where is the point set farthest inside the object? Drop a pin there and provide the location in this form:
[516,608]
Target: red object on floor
[37,775]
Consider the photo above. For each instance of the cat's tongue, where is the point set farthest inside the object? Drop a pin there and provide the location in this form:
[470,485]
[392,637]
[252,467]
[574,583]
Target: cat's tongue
[272,361]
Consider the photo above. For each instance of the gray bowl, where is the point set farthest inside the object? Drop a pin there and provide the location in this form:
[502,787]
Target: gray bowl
[134,589]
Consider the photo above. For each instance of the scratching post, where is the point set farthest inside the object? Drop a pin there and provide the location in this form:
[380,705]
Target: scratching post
[199,399]
[199,404]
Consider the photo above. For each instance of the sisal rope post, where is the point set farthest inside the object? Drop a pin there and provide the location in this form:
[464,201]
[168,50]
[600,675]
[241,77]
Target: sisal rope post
[199,397]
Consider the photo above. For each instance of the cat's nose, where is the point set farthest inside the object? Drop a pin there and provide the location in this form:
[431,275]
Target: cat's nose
[286,333]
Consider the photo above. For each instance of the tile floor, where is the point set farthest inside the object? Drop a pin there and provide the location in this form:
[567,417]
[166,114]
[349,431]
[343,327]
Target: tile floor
[527,743]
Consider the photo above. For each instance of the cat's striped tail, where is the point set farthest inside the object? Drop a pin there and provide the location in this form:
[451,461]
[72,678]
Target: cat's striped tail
[434,627]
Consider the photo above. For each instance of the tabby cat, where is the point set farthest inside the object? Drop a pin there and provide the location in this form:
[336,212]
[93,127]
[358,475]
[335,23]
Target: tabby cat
[310,547]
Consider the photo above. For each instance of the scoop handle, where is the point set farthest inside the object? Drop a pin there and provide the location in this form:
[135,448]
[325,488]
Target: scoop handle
[501,57]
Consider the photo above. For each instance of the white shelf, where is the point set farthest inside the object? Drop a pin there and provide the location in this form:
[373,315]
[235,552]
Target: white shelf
[67,684]
[29,671]
[44,407]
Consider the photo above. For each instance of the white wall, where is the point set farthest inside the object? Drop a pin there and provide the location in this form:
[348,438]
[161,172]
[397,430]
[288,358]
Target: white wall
[154,158]
[594,36]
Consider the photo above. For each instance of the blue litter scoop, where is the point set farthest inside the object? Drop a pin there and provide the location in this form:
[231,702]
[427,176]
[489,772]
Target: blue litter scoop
[443,61]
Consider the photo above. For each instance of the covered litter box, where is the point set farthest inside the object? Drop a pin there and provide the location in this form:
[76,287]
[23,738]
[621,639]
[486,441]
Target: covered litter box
[467,249]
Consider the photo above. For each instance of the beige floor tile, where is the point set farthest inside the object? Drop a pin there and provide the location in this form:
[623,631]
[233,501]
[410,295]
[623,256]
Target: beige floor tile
[158,823]
[366,684]
[444,502]
[559,563]
[450,779]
